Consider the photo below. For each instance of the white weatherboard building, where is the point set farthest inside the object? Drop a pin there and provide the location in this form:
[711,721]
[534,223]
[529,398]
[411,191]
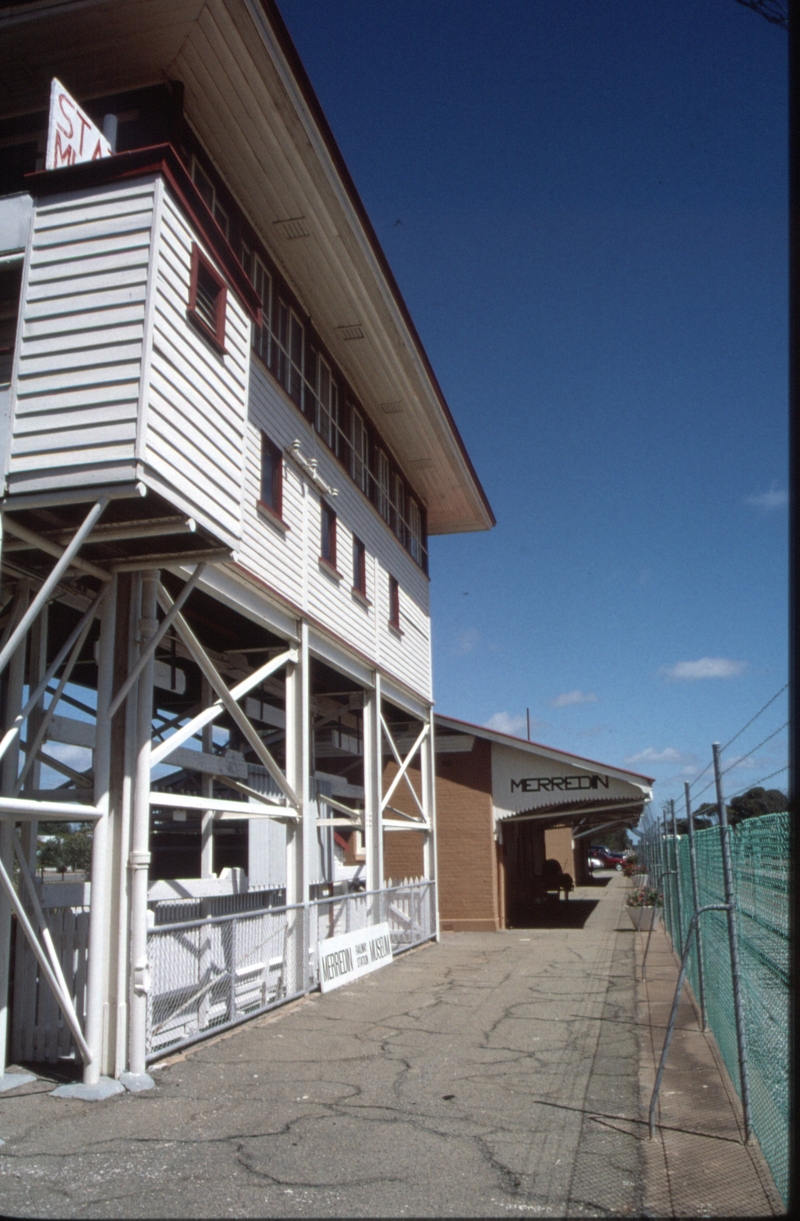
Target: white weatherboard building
[223,450]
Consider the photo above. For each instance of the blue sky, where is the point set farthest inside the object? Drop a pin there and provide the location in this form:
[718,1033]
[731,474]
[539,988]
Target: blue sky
[593,245]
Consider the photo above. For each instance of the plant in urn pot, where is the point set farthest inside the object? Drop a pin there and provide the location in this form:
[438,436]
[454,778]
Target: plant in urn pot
[643,906]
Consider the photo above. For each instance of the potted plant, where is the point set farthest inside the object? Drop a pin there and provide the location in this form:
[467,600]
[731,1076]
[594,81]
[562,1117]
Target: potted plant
[643,906]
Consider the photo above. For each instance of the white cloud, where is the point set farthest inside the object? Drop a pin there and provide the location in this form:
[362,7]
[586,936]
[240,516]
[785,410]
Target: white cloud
[466,641]
[775,498]
[668,755]
[745,762]
[594,732]
[574,697]
[503,722]
[706,667]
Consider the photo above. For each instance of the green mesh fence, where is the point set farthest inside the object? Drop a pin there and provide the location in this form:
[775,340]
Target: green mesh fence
[760,857]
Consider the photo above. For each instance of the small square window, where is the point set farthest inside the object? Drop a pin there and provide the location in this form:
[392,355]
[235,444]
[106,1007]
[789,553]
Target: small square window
[359,567]
[328,535]
[207,299]
[271,476]
[394,603]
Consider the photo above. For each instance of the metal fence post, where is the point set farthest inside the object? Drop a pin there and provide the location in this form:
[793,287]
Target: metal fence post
[696,903]
[665,872]
[676,858]
[656,856]
[733,940]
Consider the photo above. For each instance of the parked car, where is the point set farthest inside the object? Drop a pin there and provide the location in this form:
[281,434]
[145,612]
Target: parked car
[594,862]
[608,858]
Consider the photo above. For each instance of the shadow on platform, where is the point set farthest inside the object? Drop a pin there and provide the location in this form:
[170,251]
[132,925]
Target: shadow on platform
[554,913]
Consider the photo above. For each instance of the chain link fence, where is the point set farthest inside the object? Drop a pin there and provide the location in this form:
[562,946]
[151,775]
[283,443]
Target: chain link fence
[760,858]
[209,974]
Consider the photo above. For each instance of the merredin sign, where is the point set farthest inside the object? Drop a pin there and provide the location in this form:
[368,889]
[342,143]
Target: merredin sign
[350,955]
[558,784]
[523,781]
[71,135]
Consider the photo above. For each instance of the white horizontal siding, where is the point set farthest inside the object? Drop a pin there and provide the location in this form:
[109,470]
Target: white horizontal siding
[77,391]
[289,560]
[194,436]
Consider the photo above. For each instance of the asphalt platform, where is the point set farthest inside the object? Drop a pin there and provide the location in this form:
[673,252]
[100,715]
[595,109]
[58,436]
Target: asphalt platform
[489,1075]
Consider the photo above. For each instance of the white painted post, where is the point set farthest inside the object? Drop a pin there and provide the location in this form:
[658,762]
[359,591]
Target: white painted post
[123,882]
[24,980]
[308,801]
[14,688]
[296,714]
[140,835]
[429,802]
[373,792]
[207,783]
[97,967]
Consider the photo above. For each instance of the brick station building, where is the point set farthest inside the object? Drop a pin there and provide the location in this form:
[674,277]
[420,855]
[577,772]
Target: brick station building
[505,806]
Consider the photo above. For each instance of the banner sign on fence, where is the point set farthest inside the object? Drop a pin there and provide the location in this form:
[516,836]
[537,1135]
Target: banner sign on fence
[71,134]
[347,956]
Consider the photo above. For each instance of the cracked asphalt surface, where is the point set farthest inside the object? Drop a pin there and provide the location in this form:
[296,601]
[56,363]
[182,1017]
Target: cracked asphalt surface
[490,1075]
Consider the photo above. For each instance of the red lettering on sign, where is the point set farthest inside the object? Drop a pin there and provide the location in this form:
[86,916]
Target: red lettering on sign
[63,100]
[98,152]
[85,123]
[62,155]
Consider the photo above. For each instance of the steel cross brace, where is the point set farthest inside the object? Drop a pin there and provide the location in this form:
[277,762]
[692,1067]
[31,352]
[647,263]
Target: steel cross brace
[403,766]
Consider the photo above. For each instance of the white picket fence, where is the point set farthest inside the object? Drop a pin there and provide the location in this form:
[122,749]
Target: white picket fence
[208,974]
[38,1030]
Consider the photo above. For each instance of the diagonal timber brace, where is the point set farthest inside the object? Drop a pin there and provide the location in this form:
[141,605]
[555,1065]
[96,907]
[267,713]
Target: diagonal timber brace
[57,571]
[164,749]
[32,750]
[52,670]
[403,766]
[56,981]
[63,995]
[231,707]
[156,638]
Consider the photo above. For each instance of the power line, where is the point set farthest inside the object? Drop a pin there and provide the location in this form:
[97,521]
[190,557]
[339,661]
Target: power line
[752,785]
[754,718]
[755,748]
[738,734]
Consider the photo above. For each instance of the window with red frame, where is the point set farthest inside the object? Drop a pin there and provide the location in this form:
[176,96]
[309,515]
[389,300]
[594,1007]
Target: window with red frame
[394,603]
[328,535]
[271,476]
[359,567]
[207,300]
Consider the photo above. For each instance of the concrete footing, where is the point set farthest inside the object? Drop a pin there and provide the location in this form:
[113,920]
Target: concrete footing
[12,1081]
[136,1082]
[106,1088]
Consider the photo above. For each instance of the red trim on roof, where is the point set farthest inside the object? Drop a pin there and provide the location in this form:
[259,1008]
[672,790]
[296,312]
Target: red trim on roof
[482,731]
[306,88]
[158,159]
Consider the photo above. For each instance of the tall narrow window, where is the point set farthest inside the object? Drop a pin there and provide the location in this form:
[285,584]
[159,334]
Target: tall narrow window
[262,283]
[384,504]
[295,354]
[328,535]
[271,476]
[358,449]
[394,603]
[207,297]
[359,567]
[327,406]
[280,326]
[414,530]
[399,508]
[10,286]
[209,194]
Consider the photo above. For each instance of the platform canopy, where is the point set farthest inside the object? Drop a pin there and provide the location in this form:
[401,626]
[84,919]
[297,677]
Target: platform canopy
[531,781]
